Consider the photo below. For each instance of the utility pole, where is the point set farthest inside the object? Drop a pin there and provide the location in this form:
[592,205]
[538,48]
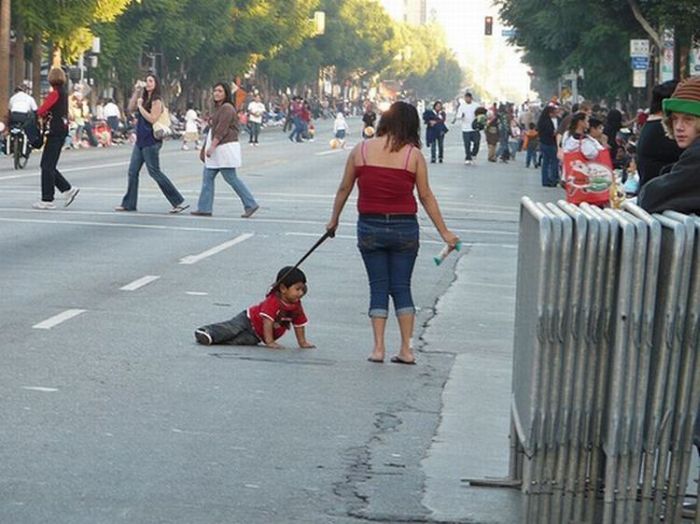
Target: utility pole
[4,56]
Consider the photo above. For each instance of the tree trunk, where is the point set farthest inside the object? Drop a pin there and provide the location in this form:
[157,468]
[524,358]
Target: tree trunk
[36,67]
[4,56]
[19,57]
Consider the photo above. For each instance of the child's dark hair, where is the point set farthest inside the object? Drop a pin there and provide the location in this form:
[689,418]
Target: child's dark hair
[288,276]
[594,122]
[532,125]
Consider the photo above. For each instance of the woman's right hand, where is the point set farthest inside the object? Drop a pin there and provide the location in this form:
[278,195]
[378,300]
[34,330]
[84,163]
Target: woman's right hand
[201,154]
[332,226]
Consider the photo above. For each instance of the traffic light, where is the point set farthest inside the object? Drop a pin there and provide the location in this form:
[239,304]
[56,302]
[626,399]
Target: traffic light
[488,25]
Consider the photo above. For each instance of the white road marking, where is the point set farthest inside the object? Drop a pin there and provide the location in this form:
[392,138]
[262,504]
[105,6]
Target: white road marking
[193,259]
[113,224]
[67,170]
[57,319]
[196,293]
[40,388]
[332,151]
[136,284]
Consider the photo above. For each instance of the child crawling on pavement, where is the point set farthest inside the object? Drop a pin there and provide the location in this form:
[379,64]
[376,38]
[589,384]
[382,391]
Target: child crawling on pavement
[267,321]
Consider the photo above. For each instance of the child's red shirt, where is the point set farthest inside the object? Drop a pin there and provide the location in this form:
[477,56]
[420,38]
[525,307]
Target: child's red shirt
[282,315]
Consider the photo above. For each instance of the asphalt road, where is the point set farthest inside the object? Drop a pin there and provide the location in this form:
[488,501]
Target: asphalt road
[112,413]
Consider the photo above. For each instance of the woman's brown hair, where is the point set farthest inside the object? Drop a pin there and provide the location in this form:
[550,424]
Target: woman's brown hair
[401,124]
[57,77]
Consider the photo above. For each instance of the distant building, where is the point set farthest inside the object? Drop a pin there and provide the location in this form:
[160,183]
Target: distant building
[409,11]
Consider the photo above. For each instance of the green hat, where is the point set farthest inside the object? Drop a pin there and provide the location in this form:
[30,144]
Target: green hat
[685,99]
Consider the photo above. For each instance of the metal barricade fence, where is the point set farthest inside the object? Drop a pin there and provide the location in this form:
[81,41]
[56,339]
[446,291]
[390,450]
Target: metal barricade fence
[606,370]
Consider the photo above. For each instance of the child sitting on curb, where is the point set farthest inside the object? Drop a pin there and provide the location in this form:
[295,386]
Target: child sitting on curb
[267,321]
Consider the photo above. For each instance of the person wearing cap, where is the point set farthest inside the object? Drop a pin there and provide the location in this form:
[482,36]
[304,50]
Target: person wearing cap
[678,187]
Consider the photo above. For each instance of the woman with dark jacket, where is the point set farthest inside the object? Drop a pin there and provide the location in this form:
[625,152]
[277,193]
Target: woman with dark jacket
[222,153]
[54,111]
[654,149]
[146,98]
[613,124]
[435,130]
[547,129]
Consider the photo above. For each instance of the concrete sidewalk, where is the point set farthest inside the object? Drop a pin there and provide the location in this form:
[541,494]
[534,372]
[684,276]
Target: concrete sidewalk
[474,321]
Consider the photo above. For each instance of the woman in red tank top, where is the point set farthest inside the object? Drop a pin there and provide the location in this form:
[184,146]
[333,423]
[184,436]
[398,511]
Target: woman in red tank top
[387,169]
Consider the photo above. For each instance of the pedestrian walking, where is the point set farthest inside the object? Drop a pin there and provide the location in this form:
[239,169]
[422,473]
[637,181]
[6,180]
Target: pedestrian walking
[340,129]
[191,134]
[435,130]
[296,108]
[146,100]
[387,169]
[221,153]
[54,112]
[267,321]
[546,128]
[466,113]
[491,133]
[369,120]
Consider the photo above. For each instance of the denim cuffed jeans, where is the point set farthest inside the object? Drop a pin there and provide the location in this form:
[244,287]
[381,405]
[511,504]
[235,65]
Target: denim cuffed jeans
[389,247]
[238,331]
[150,156]
[206,196]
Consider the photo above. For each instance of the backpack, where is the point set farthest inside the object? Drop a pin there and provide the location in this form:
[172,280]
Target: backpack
[588,180]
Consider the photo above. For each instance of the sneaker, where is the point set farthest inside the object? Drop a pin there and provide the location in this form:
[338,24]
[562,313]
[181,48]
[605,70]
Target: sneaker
[178,209]
[122,208]
[43,205]
[249,212]
[203,337]
[70,195]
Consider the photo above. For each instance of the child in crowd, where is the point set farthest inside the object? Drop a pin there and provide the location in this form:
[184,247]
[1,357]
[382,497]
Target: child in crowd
[531,144]
[340,128]
[267,321]
[191,128]
[595,130]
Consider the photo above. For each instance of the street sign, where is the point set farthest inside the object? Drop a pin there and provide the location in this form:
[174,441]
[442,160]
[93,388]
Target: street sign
[640,63]
[508,33]
[639,78]
[639,47]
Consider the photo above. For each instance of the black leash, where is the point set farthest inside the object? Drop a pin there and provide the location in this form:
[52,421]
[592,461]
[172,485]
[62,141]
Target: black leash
[327,234]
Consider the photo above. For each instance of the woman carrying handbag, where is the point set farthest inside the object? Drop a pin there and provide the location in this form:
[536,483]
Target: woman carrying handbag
[147,100]
[222,153]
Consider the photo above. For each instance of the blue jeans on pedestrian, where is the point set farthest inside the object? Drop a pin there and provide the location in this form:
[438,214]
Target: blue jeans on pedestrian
[206,196]
[389,247]
[254,131]
[150,156]
[550,165]
[297,130]
[471,141]
[531,157]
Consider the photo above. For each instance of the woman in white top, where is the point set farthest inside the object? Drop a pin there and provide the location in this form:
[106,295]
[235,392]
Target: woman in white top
[577,138]
[222,153]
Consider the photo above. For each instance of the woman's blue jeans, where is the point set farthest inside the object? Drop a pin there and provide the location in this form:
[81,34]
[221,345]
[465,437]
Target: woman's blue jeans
[550,165]
[389,247]
[206,196]
[149,155]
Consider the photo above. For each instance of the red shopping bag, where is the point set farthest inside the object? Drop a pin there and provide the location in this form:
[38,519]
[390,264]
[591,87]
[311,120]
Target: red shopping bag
[588,180]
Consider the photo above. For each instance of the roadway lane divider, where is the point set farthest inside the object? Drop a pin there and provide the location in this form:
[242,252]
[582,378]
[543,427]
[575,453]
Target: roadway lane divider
[193,259]
[139,283]
[58,319]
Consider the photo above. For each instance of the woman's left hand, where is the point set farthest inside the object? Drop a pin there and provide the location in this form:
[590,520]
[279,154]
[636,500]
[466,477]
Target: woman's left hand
[210,151]
[450,239]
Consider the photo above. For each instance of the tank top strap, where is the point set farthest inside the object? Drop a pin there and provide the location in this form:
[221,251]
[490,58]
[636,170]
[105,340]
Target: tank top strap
[362,150]
[408,157]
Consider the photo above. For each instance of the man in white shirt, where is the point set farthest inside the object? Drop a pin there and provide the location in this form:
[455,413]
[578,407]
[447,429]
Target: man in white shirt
[255,112]
[471,137]
[21,104]
[112,114]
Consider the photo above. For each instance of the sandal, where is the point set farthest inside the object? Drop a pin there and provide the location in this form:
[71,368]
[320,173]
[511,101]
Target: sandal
[178,208]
